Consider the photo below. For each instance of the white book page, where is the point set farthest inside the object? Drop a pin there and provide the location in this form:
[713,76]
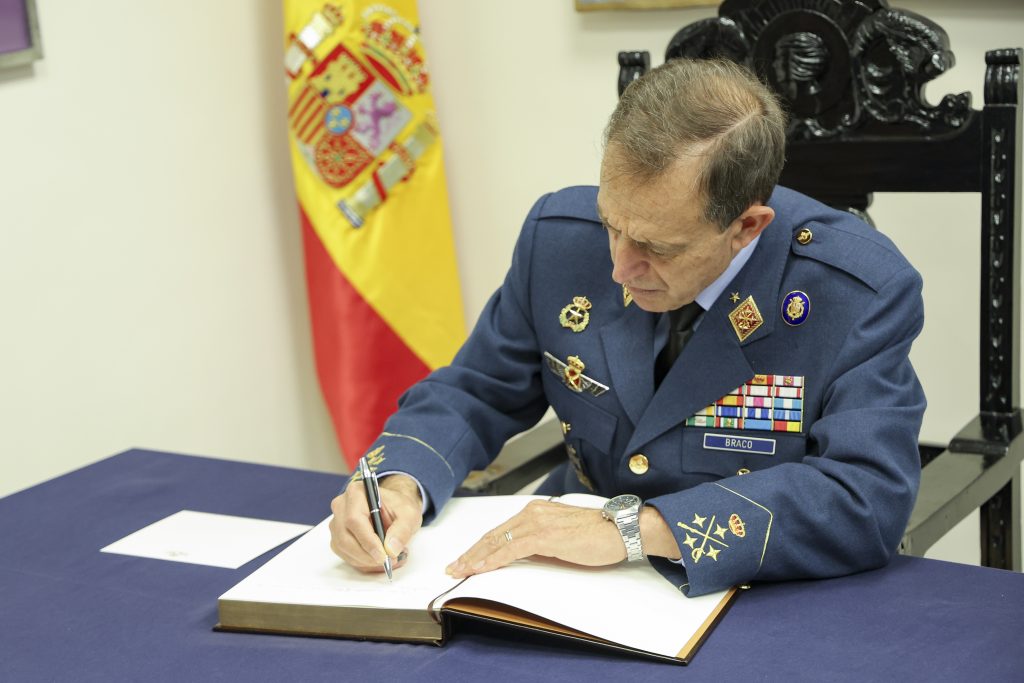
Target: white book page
[308,572]
[629,603]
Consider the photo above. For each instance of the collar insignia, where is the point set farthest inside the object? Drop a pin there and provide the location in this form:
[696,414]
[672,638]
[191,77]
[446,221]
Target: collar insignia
[745,318]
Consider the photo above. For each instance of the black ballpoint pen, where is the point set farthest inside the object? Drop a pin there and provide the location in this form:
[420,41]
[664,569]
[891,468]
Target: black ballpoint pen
[373,500]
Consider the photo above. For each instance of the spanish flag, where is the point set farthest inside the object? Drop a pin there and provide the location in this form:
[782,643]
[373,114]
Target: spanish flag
[384,295]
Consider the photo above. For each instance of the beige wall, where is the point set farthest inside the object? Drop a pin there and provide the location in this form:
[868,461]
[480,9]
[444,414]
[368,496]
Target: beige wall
[151,285]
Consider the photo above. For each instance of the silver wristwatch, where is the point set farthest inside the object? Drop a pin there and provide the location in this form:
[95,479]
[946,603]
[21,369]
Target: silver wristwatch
[625,512]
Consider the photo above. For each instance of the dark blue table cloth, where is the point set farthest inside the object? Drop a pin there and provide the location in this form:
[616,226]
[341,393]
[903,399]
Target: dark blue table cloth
[69,612]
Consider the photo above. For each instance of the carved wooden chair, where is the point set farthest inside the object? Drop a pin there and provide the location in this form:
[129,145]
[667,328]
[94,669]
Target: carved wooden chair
[853,73]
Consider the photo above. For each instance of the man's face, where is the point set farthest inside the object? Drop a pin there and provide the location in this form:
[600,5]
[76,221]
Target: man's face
[661,246]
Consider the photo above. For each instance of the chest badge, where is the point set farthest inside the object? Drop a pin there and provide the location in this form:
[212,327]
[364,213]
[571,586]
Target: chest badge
[796,306]
[571,375]
[746,318]
[576,315]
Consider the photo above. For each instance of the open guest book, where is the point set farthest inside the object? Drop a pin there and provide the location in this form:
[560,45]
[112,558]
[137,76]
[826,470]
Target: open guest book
[307,590]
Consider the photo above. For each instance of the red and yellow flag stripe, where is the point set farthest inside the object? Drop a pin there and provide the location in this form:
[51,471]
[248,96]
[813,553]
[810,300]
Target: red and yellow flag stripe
[384,293]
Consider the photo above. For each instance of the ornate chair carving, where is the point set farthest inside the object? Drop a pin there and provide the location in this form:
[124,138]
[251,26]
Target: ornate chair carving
[853,74]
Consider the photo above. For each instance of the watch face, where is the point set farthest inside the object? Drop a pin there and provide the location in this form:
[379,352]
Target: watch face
[623,502]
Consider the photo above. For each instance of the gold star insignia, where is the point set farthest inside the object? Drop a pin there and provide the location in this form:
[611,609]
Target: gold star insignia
[698,520]
[720,531]
[690,541]
[734,297]
[713,553]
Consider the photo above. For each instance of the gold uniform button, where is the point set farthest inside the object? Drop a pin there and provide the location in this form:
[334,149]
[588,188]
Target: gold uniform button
[566,427]
[742,471]
[805,236]
[638,464]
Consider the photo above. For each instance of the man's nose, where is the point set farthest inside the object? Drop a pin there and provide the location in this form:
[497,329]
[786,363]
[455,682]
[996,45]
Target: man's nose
[629,261]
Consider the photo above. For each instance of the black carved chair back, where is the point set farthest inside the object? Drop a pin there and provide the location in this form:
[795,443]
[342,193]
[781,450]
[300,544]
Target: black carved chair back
[852,74]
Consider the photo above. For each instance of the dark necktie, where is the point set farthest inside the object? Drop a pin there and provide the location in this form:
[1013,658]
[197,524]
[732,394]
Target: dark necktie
[680,330]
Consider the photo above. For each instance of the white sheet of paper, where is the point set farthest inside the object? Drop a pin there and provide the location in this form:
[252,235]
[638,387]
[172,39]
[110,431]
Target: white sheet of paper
[206,538]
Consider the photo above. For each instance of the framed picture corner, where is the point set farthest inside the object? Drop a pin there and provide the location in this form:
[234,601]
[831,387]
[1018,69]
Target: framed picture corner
[20,42]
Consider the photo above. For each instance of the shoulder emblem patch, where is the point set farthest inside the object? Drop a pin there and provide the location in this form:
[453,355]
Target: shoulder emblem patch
[796,306]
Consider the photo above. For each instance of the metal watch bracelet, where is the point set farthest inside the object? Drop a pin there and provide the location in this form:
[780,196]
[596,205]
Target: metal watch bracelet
[629,527]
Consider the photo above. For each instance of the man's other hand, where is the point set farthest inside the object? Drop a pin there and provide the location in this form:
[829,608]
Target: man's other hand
[572,534]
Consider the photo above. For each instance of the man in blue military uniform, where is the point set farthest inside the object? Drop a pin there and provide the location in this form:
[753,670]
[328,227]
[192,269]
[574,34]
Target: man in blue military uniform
[731,353]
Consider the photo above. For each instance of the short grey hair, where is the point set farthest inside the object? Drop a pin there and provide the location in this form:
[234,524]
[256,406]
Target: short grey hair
[714,110]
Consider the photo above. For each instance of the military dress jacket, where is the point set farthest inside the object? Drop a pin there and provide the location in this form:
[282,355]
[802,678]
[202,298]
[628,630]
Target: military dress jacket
[781,444]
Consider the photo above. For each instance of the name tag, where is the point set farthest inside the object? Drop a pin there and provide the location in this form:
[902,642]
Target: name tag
[739,444]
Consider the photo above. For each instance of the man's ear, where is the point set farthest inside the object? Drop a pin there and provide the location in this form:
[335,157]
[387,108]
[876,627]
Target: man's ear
[751,223]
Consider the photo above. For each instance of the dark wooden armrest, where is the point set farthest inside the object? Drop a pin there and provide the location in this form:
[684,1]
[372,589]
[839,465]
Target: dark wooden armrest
[973,472]
[523,460]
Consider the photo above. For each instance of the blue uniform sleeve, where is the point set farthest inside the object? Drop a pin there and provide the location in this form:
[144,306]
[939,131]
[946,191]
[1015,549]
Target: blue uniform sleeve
[838,512]
[459,417]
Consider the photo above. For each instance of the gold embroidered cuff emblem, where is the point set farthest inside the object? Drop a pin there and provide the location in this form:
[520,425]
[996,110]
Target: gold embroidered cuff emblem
[736,526]
[745,318]
[374,459]
[627,296]
[706,541]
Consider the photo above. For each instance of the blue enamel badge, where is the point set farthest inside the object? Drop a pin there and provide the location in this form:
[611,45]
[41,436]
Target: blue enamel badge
[795,308]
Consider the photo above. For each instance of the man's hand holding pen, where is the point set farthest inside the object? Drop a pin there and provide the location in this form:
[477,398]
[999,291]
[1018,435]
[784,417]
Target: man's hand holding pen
[353,537]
